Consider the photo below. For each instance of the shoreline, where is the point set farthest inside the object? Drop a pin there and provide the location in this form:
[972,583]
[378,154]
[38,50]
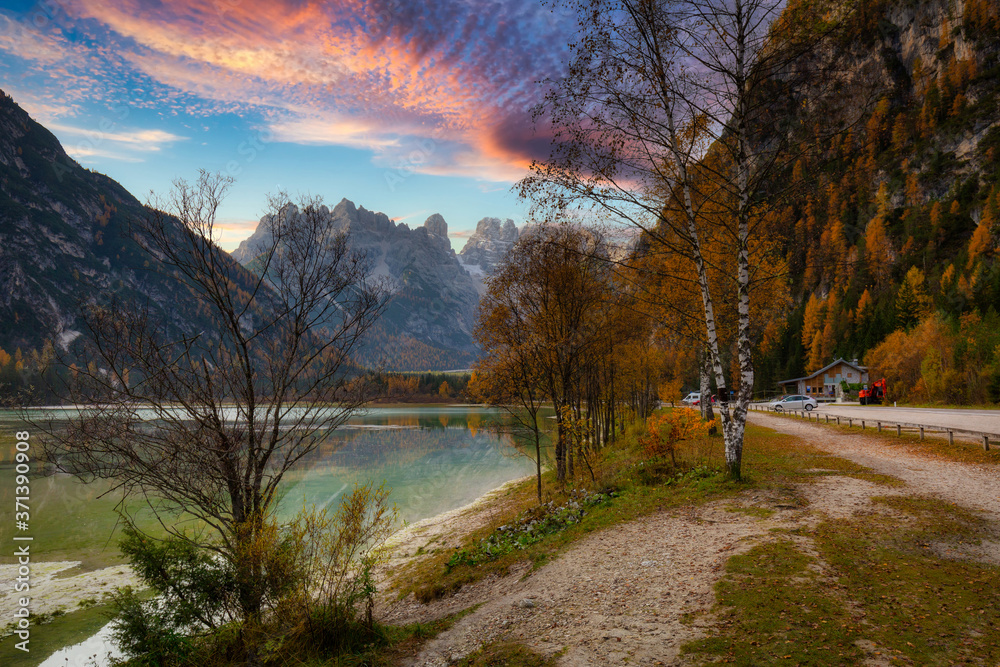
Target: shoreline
[405,542]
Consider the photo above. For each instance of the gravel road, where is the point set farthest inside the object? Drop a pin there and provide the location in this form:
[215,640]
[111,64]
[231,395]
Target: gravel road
[986,421]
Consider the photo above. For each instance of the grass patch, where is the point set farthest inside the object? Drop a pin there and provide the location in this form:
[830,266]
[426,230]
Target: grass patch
[877,590]
[70,628]
[504,654]
[774,609]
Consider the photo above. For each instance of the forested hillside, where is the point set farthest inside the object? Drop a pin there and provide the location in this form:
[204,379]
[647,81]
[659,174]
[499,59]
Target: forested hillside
[893,254]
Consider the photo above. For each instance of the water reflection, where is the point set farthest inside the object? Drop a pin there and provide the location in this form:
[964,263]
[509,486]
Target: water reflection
[433,459]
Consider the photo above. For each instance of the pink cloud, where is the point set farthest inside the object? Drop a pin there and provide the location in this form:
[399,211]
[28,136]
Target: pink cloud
[375,74]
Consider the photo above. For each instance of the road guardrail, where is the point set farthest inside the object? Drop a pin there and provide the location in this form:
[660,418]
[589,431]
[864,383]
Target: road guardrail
[880,423]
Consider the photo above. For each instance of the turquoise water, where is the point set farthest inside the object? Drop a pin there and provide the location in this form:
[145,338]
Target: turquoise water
[433,459]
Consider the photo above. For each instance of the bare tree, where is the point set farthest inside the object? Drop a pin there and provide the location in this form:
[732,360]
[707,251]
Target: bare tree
[205,424]
[675,117]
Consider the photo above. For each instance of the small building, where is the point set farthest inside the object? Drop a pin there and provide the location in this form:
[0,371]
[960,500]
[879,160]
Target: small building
[825,381]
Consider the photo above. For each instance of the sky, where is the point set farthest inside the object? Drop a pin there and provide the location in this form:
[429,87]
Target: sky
[409,107]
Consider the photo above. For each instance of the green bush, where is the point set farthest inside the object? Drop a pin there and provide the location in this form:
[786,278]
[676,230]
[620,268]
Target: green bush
[530,527]
[314,574]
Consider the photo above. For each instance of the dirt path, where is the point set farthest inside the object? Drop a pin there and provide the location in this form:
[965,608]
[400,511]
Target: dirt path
[624,595]
[617,597]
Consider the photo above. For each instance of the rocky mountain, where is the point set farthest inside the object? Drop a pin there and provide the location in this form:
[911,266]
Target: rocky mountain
[487,245]
[429,321]
[64,237]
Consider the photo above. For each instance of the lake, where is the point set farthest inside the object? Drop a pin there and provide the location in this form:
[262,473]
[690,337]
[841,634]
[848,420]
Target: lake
[433,458]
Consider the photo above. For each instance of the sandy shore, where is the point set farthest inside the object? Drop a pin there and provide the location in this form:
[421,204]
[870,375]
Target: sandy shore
[52,591]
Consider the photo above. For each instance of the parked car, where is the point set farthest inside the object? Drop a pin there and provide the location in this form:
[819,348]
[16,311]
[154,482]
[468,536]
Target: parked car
[691,398]
[793,402]
[697,401]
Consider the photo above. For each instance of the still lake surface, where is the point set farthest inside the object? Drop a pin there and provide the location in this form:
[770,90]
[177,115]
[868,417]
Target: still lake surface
[433,458]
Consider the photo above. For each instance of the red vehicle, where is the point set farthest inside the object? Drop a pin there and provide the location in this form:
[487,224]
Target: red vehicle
[873,395]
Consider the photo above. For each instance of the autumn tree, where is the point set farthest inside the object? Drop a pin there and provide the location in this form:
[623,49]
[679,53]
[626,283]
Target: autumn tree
[205,425]
[541,317]
[912,300]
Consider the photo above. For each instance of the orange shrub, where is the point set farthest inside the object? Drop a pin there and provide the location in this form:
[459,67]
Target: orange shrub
[664,431]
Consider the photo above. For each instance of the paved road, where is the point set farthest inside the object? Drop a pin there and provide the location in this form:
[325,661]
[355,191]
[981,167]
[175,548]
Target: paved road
[987,421]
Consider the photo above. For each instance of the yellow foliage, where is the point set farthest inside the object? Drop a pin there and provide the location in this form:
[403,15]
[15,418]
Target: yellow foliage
[864,306]
[878,249]
[815,312]
[900,357]
[980,243]
[948,276]
[670,390]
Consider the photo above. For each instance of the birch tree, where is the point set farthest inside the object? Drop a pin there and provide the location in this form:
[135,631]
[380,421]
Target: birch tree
[675,117]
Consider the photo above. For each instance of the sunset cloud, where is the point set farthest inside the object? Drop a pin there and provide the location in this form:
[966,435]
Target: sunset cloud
[380,75]
[111,142]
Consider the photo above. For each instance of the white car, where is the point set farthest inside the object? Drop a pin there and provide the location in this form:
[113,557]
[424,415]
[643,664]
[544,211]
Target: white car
[794,402]
[691,398]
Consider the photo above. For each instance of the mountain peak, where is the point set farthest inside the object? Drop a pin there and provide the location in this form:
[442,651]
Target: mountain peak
[489,243]
[436,225]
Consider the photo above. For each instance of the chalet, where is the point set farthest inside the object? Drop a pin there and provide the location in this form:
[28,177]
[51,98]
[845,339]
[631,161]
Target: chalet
[825,381]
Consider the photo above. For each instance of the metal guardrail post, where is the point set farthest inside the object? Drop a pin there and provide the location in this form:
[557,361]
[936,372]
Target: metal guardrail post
[879,426]
[986,442]
[951,437]
[921,434]
[899,430]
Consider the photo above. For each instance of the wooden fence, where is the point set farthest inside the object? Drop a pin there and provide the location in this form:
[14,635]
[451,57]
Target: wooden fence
[880,423]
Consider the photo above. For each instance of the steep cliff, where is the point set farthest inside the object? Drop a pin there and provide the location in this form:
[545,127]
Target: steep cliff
[488,244]
[900,223]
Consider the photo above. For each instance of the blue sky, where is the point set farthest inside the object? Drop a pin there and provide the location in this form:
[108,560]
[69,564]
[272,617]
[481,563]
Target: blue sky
[406,107]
